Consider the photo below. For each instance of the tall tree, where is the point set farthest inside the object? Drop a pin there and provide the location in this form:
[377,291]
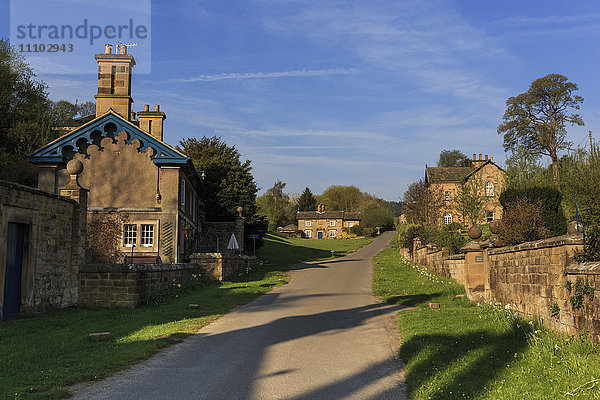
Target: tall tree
[469,201]
[453,158]
[423,204]
[228,183]
[376,214]
[536,120]
[338,197]
[276,206]
[307,201]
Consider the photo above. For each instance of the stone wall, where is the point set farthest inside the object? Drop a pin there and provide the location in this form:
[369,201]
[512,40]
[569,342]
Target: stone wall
[54,244]
[216,235]
[536,279]
[119,285]
[224,266]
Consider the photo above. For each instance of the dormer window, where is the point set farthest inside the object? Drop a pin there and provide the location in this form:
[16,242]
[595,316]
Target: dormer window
[489,189]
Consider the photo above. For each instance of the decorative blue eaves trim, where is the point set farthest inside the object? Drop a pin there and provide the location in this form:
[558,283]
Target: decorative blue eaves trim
[108,125]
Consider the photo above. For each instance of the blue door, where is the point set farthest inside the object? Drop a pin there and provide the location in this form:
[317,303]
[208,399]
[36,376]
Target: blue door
[319,235]
[14,267]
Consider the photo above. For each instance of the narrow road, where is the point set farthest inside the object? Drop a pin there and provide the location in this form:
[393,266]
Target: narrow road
[322,336]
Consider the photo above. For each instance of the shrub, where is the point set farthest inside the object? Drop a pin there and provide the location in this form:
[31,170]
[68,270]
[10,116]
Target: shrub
[103,235]
[550,200]
[449,238]
[591,250]
[360,230]
[522,222]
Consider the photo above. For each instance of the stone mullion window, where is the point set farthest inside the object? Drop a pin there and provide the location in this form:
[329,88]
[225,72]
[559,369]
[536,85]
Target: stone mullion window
[147,235]
[129,235]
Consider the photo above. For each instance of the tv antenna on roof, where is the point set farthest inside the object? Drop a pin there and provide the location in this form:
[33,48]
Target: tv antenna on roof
[127,44]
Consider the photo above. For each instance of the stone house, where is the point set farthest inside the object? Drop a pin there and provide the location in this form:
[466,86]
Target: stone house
[323,224]
[128,169]
[484,173]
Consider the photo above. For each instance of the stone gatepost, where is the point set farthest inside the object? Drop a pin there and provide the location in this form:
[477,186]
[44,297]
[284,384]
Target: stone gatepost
[75,192]
[476,271]
[239,228]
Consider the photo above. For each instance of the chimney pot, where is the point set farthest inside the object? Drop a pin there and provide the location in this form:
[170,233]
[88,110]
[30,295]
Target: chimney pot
[157,108]
[486,157]
[474,157]
[122,49]
[480,156]
[107,48]
[146,107]
[491,159]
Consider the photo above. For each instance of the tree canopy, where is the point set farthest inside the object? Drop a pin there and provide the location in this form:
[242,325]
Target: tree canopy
[277,206]
[228,183]
[338,197]
[453,158]
[422,204]
[536,120]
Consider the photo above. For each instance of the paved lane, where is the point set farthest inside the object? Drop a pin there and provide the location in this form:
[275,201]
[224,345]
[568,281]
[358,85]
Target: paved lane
[322,336]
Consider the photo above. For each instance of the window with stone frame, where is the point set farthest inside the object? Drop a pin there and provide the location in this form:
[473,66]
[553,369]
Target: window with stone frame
[331,223]
[350,224]
[447,195]
[129,235]
[490,216]
[308,223]
[308,234]
[448,219]
[147,235]
[331,233]
[489,189]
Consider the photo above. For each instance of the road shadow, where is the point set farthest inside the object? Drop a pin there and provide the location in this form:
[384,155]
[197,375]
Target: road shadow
[476,358]
[412,300]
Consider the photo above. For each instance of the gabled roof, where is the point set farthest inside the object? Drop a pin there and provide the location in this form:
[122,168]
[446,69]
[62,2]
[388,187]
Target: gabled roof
[107,125]
[446,174]
[483,165]
[328,215]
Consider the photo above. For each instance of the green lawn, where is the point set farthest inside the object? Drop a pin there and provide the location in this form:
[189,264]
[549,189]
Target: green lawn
[465,351]
[42,355]
[284,251]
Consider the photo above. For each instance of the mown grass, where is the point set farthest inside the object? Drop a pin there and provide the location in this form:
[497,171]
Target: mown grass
[42,355]
[285,251]
[479,352]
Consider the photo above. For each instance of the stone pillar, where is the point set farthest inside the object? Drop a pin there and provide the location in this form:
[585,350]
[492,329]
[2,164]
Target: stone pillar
[79,233]
[476,271]
[240,228]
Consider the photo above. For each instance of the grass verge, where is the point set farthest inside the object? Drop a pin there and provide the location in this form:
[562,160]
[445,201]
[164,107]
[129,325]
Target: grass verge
[285,251]
[42,355]
[479,352]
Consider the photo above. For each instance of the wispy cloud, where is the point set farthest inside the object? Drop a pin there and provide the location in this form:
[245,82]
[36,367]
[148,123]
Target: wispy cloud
[265,75]
[548,20]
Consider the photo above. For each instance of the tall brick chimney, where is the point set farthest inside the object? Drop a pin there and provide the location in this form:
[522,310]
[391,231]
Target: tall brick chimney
[151,122]
[114,81]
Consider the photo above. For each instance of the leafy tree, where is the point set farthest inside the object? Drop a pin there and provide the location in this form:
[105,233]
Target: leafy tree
[396,207]
[338,197]
[228,183]
[536,120]
[376,214]
[580,177]
[307,201]
[277,206]
[422,204]
[25,116]
[523,171]
[453,158]
[469,201]
[522,222]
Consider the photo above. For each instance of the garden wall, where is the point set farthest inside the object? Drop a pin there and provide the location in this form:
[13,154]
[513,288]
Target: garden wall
[538,278]
[121,285]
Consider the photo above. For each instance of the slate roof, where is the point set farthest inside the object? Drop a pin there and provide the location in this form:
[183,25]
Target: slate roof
[328,215]
[446,174]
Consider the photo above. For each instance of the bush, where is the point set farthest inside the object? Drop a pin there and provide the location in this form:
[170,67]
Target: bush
[360,230]
[522,222]
[550,199]
[449,238]
[103,235]
[591,250]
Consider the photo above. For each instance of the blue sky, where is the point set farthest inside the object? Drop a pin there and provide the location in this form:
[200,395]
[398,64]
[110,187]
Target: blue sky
[361,93]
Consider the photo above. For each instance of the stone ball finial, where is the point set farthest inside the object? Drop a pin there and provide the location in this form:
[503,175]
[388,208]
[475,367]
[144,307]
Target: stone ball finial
[572,227]
[495,226]
[74,167]
[239,210]
[475,232]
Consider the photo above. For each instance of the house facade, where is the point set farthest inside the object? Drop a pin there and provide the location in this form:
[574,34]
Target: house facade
[323,224]
[485,176]
[128,169]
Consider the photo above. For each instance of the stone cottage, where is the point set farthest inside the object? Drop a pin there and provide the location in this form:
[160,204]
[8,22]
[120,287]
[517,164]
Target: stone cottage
[490,181]
[128,169]
[323,224]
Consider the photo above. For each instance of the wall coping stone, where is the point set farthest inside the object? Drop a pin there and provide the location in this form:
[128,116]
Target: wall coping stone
[456,257]
[136,267]
[585,268]
[16,186]
[233,256]
[541,244]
